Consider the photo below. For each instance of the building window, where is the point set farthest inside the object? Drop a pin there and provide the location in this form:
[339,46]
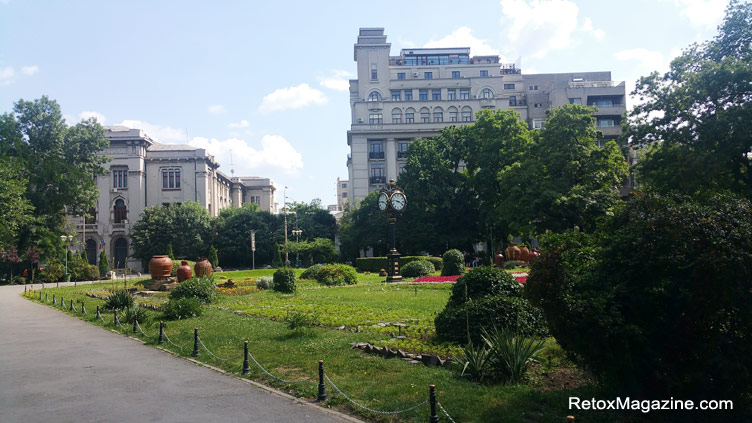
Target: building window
[464,94]
[606,123]
[374,75]
[486,93]
[455,74]
[120,211]
[422,95]
[452,116]
[438,116]
[538,105]
[435,94]
[401,75]
[484,74]
[377,173]
[425,117]
[396,95]
[120,178]
[409,117]
[508,86]
[512,100]
[375,118]
[451,94]
[408,95]
[467,115]
[427,75]
[539,123]
[402,150]
[397,116]
[533,88]
[576,100]
[344,185]
[344,195]
[170,178]
[374,96]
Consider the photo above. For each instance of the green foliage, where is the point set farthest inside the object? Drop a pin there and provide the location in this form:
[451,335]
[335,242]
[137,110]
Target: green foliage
[320,250]
[676,316]
[297,320]
[91,273]
[511,354]
[78,268]
[104,264]
[284,280]
[311,272]
[186,226]
[234,227]
[417,268]
[362,227]
[15,209]
[170,253]
[487,297]
[181,308]
[277,256]
[315,221]
[475,362]
[697,117]
[53,272]
[203,289]
[133,313]
[119,300]
[454,263]
[374,264]
[213,259]
[337,274]
[265,282]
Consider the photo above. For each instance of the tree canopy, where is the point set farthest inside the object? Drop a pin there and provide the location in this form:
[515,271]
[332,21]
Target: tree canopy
[187,227]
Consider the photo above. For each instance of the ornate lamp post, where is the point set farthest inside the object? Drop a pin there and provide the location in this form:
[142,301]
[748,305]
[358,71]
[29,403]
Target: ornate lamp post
[66,241]
[392,200]
[297,233]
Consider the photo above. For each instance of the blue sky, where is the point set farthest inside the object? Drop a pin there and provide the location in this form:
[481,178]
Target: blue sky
[268,80]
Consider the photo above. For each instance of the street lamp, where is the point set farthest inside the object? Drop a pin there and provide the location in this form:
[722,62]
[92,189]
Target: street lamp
[66,241]
[297,233]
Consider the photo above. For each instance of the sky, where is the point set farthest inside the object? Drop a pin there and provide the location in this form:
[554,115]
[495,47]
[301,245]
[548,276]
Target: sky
[263,85]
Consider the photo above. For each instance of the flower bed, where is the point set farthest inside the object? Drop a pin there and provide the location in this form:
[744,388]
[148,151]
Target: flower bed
[520,277]
[437,279]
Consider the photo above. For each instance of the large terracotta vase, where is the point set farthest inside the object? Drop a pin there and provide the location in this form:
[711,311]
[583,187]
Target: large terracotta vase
[184,271]
[524,254]
[512,252]
[498,259]
[203,267]
[160,267]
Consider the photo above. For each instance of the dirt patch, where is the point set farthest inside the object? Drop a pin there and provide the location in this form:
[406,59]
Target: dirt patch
[558,378]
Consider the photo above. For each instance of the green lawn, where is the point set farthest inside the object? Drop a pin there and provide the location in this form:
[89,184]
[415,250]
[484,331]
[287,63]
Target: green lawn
[383,384]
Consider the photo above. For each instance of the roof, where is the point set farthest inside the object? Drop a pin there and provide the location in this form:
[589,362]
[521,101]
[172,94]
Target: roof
[171,147]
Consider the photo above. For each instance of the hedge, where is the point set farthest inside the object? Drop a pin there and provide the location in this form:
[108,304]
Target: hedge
[374,264]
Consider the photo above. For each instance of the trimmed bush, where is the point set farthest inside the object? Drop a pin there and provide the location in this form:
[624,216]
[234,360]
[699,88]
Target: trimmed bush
[454,263]
[311,272]
[53,272]
[119,300]
[91,273]
[202,289]
[337,274]
[417,268]
[265,282]
[181,308]
[482,281]
[284,280]
[104,264]
[374,264]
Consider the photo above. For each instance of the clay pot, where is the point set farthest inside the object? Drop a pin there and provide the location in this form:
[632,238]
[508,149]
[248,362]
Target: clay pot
[203,267]
[498,259]
[512,252]
[184,271]
[160,267]
[524,254]
[534,254]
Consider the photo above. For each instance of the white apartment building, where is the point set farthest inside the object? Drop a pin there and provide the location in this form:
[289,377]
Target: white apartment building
[397,99]
[144,173]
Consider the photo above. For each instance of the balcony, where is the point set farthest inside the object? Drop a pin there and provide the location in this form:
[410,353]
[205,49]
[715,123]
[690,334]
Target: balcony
[609,130]
[378,180]
[121,225]
[614,109]
[488,103]
[89,227]
[517,103]
[402,154]
[376,155]
[595,84]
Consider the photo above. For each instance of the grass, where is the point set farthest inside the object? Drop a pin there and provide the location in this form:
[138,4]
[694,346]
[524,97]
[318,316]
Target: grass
[383,384]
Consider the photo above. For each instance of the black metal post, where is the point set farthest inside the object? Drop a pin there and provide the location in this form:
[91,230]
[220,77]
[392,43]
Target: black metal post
[117,322]
[45,297]
[40,295]
[83,307]
[246,364]
[195,343]
[62,302]
[99,315]
[135,323]
[161,333]
[71,305]
[53,300]
[322,388]
[433,418]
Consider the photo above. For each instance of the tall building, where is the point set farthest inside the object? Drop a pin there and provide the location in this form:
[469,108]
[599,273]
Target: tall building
[342,193]
[397,99]
[144,173]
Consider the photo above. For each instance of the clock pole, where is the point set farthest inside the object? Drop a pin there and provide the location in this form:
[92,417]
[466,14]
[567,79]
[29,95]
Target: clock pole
[392,200]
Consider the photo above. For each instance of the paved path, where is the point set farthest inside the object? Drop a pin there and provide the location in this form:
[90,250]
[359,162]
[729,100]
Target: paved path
[56,368]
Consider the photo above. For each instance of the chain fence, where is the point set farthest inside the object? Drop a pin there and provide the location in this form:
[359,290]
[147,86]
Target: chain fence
[441,407]
[275,377]
[212,354]
[371,409]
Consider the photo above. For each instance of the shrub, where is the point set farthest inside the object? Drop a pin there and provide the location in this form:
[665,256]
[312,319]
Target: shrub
[202,289]
[311,272]
[134,312]
[297,320]
[53,272]
[284,280]
[454,263]
[482,281]
[119,300]
[104,264]
[510,353]
[417,268]
[676,318]
[91,273]
[181,308]
[374,264]
[337,274]
[265,282]
[475,362]
[213,257]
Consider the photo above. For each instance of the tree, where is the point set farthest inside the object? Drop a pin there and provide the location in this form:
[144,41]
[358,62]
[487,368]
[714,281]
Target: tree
[313,220]
[15,209]
[56,163]
[233,229]
[104,264]
[363,227]
[213,259]
[186,226]
[696,119]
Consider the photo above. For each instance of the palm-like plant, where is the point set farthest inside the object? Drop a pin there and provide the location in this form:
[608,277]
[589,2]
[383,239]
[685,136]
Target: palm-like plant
[475,362]
[511,354]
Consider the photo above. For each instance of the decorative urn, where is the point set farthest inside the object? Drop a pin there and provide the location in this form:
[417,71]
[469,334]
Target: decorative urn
[160,267]
[203,267]
[184,271]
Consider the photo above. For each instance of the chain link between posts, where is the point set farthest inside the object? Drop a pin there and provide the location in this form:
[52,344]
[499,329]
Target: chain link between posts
[170,340]
[212,354]
[371,409]
[441,407]
[275,377]
[138,325]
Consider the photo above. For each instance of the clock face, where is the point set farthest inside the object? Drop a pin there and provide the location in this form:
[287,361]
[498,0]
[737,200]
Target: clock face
[398,201]
[383,201]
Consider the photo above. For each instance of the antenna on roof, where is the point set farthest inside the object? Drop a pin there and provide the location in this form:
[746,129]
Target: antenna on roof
[232,170]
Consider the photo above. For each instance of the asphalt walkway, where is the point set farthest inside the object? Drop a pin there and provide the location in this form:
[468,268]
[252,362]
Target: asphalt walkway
[57,368]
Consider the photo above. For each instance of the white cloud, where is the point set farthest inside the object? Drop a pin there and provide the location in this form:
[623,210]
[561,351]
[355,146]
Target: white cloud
[242,124]
[535,27]
[339,80]
[463,37]
[275,154]
[163,134]
[292,98]
[86,115]
[702,13]
[647,60]
[216,109]
[30,70]
[7,72]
